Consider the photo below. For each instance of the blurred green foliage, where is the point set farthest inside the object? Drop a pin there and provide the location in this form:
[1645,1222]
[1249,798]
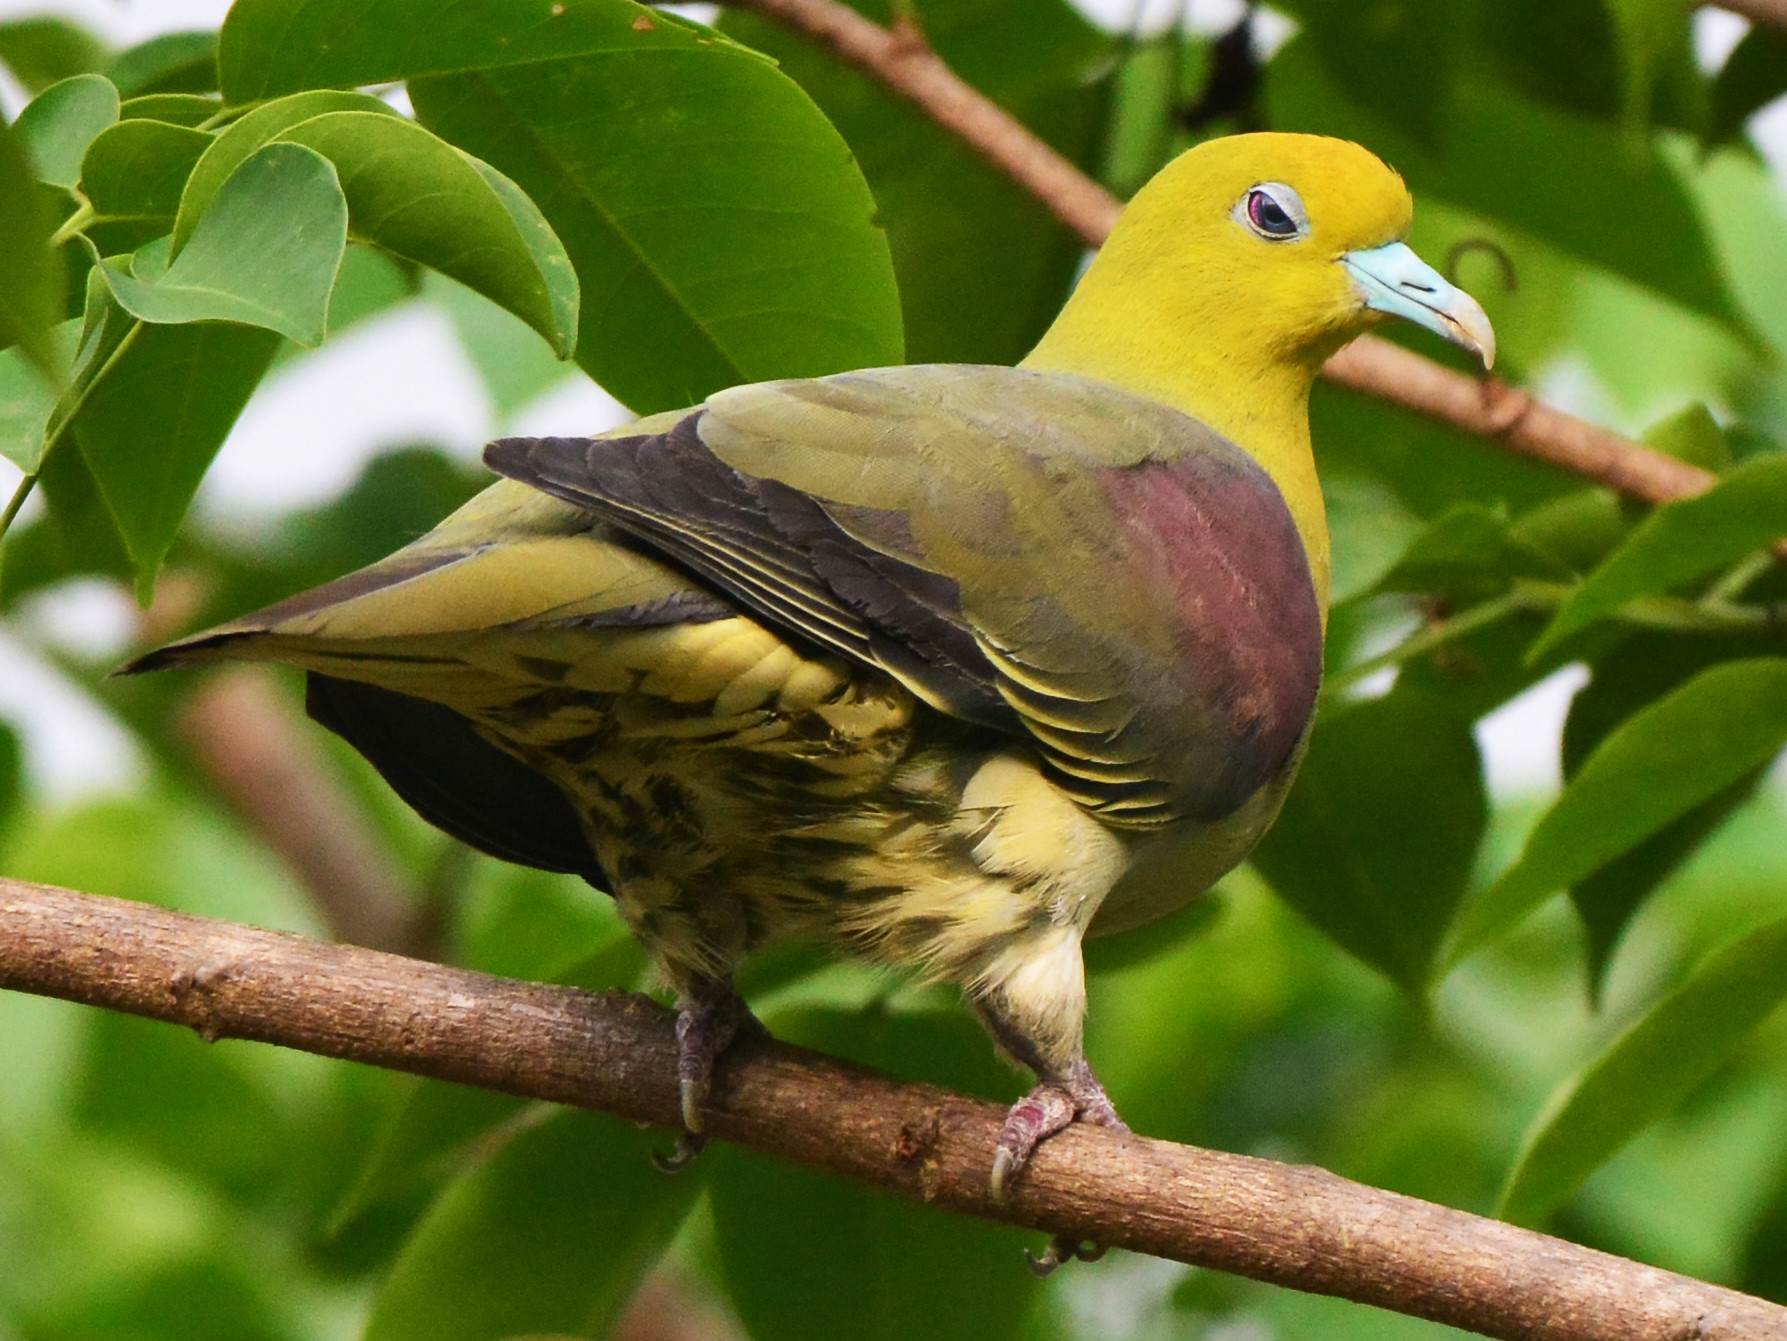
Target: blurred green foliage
[1563,1007]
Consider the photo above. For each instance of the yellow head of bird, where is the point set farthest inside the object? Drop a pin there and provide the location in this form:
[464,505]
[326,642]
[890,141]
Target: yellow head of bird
[1277,246]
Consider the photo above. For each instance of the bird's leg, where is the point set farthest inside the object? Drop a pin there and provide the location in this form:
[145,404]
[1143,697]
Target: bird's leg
[1064,1094]
[1049,1043]
[709,1015]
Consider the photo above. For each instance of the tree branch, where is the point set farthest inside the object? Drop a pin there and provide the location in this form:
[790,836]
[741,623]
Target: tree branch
[1488,408]
[1294,1226]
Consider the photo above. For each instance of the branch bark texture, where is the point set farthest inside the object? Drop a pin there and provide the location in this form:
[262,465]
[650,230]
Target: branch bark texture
[1489,408]
[1296,1226]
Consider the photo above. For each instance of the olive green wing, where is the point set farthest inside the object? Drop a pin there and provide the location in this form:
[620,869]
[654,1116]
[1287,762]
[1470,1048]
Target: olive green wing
[1043,554]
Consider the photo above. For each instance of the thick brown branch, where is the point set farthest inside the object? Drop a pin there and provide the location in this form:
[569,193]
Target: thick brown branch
[1490,408]
[1295,1226]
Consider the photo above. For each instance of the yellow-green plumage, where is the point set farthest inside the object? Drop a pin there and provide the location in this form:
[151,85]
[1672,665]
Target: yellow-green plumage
[952,666]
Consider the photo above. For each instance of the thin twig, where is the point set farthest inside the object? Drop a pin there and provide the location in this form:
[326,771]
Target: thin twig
[1292,1225]
[1488,408]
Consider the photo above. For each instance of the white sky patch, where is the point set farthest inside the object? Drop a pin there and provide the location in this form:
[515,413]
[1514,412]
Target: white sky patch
[1716,33]
[399,378]
[1520,740]
[576,407]
[73,748]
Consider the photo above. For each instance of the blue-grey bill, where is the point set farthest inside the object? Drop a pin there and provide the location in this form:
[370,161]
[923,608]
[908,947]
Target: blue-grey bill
[1393,280]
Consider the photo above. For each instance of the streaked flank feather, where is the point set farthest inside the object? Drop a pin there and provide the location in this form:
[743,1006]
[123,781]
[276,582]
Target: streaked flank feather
[949,665]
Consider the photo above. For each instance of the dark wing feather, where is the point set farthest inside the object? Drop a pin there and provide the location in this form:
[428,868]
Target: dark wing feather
[454,778]
[776,550]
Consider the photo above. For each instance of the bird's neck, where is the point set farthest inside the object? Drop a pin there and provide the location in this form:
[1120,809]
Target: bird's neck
[1261,404]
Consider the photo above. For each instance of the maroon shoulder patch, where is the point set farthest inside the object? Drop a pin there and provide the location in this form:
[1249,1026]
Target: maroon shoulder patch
[1212,533]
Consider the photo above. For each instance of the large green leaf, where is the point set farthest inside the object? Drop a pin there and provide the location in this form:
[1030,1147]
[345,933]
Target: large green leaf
[1681,541]
[265,253]
[1662,762]
[806,1254]
[157,404]
[27,400]
[132,177]
[1533,167]
[42,50]
[180,62]
[1377,839]
[59,123]
[983,265]
[1648,1070]
[719,229]
[416,197]
[550,1235]
[30,271]
[270,47]
[1636,670]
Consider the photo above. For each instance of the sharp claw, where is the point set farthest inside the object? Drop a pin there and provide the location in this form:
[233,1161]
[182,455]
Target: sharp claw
[1091,1252]
[688,1145]
[1003,1163]
[694,1094]
[1052,1257]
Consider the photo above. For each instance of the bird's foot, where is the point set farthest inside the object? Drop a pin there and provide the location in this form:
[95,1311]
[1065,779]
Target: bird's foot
[706,1024]
[1047,1109]
[1052,1106]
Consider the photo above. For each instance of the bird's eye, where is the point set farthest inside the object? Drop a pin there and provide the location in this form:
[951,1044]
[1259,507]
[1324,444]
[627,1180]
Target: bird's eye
[1273,211]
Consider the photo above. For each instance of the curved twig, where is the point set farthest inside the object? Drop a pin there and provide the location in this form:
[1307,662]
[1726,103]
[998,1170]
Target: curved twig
[1292,1225]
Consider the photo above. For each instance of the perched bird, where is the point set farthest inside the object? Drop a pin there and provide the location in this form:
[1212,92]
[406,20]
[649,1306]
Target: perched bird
[950,665]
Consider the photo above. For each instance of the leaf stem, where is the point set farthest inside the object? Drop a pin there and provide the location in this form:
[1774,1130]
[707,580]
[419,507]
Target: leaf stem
[54,436]
[1521,597]
[74,223]
[17,501]
[1729,587]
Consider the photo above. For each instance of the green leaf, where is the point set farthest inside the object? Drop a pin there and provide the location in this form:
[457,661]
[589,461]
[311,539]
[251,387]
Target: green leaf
[1469,551]
[1692,435]
[27,401]
[1649,32]
[132,177]
[268,47]
[1507,158]
[178,109]
[30,271]
[1378,836]
[59,123]
[1654,1065]
[265,253]
[259,127]
[1639,668]
[42,50]
[1744,511]
[11,771]
[435,1131]
[1662,762]
[1754,76]
[719,229]
[419,198]
[983,266]
[171,63]
[161,400]
[880,1268]
[549,1235]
